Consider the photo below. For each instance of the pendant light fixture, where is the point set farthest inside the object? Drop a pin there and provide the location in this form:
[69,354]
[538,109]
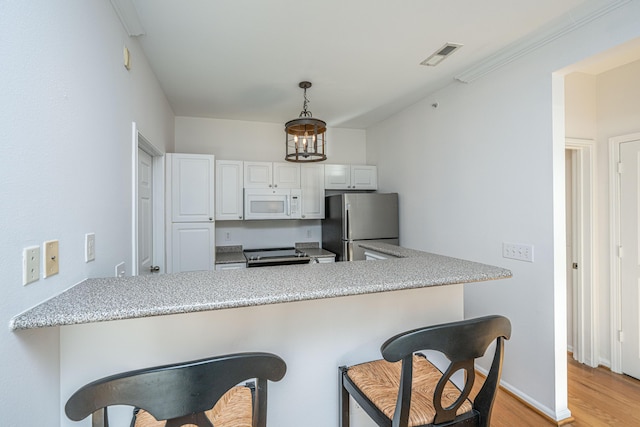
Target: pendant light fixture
[305,136]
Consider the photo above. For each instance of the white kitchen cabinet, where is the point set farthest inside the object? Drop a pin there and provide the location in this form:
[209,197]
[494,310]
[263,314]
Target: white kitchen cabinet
[192,246]
[312,188]
[229,185]
[271,175]
[231,266]
[190,238]
[192,187]
[350,177]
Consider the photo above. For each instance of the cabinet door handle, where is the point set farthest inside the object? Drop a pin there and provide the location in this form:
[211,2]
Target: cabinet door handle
[154,268]
[240,217]
[210,218]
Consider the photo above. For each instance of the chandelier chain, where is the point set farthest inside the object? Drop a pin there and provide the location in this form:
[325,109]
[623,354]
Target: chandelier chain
[304,112]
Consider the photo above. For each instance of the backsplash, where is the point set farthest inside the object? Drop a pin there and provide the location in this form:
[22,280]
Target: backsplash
[267,234]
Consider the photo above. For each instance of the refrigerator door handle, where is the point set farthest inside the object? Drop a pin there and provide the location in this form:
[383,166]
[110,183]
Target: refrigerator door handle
[347,223]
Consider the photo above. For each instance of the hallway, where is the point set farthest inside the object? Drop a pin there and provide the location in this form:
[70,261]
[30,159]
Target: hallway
[597,397]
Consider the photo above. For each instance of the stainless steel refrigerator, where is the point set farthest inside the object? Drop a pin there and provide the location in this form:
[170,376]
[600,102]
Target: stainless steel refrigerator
[351,218]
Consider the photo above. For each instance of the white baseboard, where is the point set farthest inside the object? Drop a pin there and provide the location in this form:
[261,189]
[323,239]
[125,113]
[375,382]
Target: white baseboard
[557,415]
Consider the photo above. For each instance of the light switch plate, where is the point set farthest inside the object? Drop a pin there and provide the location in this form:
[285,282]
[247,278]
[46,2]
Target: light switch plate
[519,251]
[89,247]
[51,259]
[30,264]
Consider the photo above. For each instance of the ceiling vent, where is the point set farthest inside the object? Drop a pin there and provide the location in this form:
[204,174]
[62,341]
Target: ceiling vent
[441,54]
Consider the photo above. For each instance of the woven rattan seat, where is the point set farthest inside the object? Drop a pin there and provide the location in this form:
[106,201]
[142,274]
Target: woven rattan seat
[200,393]
[380,381]
[234,409]
[406,390]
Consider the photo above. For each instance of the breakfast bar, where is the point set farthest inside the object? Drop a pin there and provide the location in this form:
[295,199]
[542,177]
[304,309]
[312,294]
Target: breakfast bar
[316,317]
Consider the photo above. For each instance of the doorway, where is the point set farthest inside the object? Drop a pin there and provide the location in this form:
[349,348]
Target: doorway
[148,206]
[582,299]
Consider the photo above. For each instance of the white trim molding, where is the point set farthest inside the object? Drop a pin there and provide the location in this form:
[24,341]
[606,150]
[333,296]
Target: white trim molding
[140,142]
[563,25]
[128,14]
[585,291]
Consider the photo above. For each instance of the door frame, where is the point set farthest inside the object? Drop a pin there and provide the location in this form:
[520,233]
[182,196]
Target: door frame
[614,250]
[585,301]
[157,156]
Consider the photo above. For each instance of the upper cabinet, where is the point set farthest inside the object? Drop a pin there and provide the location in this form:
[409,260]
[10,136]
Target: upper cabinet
[271,175]
[312,188]
[229,185]
[350,177]
[192,187]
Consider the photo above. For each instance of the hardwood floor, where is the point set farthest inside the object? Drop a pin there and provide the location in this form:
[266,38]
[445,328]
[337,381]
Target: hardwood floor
[597,397]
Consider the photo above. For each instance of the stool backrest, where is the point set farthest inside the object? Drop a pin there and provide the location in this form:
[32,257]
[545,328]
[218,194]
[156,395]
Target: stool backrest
[178,390]
[461,342]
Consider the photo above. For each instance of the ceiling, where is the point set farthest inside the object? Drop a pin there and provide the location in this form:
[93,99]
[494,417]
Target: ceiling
[243,59]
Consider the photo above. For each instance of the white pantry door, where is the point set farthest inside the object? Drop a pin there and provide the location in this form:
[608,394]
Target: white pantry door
[145,212]
[630,260]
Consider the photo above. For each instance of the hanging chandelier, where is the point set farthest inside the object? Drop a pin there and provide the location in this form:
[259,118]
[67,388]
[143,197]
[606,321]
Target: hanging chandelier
[305,136]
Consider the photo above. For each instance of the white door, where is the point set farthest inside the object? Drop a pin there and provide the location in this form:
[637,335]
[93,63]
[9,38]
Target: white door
[364,177]
[145,212]
[229,186]
[630,260]
[193,246]
[312,185]
[258,174]
[286,175]
[192,187]
[337,177]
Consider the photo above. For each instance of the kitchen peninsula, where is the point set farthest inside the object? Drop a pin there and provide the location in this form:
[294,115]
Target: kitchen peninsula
[336,313]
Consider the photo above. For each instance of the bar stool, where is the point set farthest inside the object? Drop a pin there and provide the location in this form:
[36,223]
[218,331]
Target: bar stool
[407,390]
[201,392]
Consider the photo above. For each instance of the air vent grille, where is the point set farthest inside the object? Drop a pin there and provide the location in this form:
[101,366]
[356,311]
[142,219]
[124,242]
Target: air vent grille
[441,54]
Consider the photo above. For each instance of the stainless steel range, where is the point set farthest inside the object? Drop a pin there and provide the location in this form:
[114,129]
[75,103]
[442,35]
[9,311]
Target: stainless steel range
[275,256]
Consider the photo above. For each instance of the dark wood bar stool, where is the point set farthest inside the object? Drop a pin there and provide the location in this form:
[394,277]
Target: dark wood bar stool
[406,390]
[202,392]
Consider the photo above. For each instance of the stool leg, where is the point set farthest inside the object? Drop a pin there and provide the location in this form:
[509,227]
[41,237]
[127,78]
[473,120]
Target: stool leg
[343,398]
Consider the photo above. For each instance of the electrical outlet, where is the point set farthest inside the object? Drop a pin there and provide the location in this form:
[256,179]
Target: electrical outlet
[120,270]
[227,236]
[51,258]
[519,251]
[30,264]
[89,247]
[308,233]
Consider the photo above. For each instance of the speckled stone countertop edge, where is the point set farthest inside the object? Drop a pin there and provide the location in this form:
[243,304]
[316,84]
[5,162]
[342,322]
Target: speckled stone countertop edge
[104,299]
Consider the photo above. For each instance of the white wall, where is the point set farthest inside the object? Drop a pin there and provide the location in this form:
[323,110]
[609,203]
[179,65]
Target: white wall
[580,106]
[487,167]
[257,141]
[65,118]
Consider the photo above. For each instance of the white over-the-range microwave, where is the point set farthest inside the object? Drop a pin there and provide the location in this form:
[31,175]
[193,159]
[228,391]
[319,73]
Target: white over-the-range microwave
[272,203]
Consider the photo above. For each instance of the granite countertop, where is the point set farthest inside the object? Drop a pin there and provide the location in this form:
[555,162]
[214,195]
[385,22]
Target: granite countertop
[314,250]
[229,255]
[104,299]
[318,253]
